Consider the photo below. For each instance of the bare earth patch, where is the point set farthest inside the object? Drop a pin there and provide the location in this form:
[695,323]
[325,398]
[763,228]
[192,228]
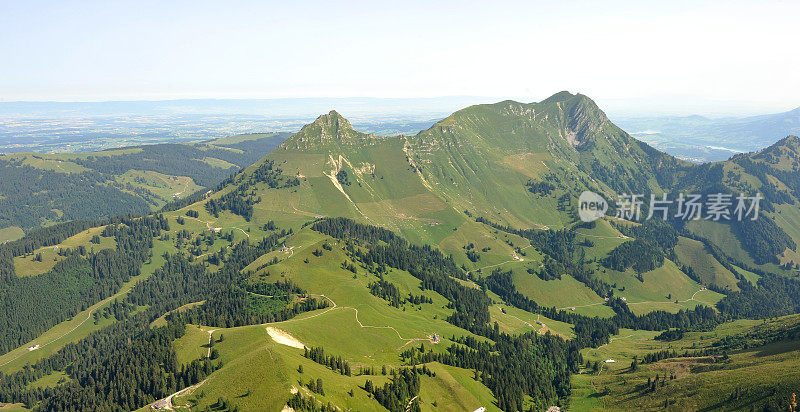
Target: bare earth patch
[284,338]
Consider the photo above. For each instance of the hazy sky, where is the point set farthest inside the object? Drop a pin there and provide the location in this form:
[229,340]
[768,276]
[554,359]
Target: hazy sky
[676,54]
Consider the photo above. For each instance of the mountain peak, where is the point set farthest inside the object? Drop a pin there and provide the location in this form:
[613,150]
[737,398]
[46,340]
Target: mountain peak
[788,141]
[568,99]
[584,118]
[326,129]
[333,123]
[574,117]
[559,97]
[782,155]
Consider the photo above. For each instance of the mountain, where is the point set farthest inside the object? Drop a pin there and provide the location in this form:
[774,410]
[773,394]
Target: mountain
[442,271]
[328,130]
[477,159]
[773,173]
[565,141]
[519,166]
[522,166]
[702,139]
[516,164]
[39,189]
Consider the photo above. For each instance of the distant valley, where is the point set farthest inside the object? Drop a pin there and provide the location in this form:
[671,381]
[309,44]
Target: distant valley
[700,139]
[54,127]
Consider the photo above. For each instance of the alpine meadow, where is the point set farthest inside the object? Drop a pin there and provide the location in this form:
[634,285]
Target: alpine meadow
[448,270]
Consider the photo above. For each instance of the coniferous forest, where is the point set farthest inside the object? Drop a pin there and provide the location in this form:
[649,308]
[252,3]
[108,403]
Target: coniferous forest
[405,292]
[129,364]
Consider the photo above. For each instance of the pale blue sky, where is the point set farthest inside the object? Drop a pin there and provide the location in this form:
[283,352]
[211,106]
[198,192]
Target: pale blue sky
[678,52]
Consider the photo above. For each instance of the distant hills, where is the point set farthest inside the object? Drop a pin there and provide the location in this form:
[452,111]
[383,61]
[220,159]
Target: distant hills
[90,126]
[702,139]
[279,107]
[56,127]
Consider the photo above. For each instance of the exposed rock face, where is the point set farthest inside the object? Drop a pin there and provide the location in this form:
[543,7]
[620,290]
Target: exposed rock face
[325,130]
[331,125]
[585,120]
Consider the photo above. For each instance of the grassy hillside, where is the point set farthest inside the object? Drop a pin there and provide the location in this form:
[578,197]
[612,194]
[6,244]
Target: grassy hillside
[694,254]
[461,252]
[10,233]
[760,375]
[41,189]
[481,156]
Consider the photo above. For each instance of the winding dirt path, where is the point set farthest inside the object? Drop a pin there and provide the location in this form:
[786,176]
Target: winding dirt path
[166,403]
[210,335]
[581,306]
[640,303]
[305,213]
[542,330]
[513,259]
[671,301]
[360,324]
[612,340]
[88,316]
[185,188]
[408,340]
[621,236]
[211,222]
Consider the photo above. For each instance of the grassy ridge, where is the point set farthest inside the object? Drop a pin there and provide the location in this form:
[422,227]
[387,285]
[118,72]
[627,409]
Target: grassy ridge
[755,377]
[693,254]
[362,328]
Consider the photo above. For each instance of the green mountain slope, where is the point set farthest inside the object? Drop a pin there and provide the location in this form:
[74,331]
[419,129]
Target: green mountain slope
[341,255]
[346,173]
[479,158]
[770,242]
[521,165]
[40,189]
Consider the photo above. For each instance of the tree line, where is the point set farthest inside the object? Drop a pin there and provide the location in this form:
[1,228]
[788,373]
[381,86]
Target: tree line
[129,364]
[382,247]
[562,255]
[31,196]
[241,199]
[400,393]
[335,363]
[512,367]
[30,305]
